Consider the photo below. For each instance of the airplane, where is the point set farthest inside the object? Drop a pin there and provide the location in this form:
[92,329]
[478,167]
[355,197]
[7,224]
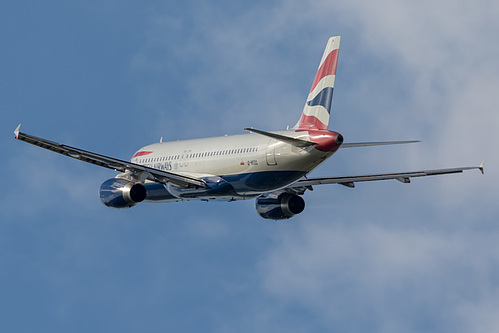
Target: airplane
[271,167]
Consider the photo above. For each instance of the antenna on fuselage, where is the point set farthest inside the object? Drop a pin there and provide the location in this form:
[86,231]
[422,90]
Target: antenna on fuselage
[161,139]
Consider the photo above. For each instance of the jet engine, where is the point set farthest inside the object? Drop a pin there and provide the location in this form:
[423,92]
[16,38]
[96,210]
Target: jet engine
[121,193]
[279,205]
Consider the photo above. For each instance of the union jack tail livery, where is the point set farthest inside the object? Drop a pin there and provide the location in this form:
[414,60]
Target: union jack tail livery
[315,115]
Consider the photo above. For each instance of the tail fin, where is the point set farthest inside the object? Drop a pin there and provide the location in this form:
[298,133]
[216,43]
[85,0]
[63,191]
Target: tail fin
[317,109]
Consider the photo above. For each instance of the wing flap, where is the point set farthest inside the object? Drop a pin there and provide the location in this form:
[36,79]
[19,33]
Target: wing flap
[156,175]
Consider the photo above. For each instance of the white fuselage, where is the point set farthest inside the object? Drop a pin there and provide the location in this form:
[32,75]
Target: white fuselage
[251,163]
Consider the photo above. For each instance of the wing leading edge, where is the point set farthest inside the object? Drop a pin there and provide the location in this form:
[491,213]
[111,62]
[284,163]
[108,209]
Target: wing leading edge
[109,162]
[403,177]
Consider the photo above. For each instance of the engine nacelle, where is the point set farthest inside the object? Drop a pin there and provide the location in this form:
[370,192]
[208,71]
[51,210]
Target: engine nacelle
[279,205]
[121,193]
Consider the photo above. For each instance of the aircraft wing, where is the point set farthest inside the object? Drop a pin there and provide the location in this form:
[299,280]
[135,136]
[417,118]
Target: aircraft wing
[403,177]
[152,174]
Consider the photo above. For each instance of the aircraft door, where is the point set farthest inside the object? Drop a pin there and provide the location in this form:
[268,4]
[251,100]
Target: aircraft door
[184,159]
[271,152]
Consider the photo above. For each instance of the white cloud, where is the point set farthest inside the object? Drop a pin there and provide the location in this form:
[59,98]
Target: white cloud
[394,278]
[481,315]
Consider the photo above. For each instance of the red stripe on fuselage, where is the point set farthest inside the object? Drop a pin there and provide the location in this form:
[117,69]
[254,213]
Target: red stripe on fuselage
[328,67]
[141,153]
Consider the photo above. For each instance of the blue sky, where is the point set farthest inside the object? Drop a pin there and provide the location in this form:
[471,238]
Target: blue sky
[112,76]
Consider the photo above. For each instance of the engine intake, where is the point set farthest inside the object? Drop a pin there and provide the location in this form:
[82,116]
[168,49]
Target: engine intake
[279,205]
[121,193]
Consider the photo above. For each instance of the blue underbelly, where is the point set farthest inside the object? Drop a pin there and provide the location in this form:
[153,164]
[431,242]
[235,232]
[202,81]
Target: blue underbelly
[229,187]
[262,181]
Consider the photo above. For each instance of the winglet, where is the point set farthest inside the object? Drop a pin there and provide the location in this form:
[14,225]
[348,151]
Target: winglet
[481,167]
[16,132]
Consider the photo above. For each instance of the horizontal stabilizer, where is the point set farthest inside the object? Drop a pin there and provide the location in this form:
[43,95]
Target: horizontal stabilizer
[287,139]
[369,144]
